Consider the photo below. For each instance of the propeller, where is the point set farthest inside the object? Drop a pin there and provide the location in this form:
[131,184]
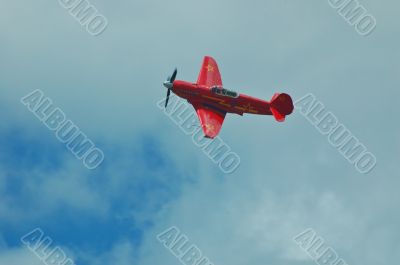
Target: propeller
[169,84]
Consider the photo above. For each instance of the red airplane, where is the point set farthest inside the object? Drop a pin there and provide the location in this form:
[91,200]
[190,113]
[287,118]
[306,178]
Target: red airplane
[211,101]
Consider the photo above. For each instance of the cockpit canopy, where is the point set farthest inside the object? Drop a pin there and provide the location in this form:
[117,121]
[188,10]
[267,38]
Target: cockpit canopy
[224,92]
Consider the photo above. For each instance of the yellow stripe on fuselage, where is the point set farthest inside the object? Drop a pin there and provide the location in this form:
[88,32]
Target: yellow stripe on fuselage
[220,101]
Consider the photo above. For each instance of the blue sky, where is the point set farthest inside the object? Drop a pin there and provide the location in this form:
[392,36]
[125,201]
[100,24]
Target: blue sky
[153,176]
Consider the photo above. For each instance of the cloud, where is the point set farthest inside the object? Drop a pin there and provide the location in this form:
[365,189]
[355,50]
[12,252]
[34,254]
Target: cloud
[19,256]
[289,179]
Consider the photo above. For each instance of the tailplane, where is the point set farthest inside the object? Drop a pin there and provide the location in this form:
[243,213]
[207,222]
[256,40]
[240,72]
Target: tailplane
[281,105]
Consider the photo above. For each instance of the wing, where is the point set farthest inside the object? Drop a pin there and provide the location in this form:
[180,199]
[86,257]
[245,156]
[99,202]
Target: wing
[210,120]
[209,73]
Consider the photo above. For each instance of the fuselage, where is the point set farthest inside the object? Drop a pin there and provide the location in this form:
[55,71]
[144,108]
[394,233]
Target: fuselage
[220,99]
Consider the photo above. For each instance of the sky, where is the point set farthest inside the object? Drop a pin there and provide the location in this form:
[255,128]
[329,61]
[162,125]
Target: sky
[154,177]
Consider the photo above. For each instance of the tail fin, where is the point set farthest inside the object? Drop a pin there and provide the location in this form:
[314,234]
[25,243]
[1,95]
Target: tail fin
[280,106]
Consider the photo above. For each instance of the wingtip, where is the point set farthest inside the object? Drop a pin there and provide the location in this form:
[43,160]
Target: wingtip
[210,58]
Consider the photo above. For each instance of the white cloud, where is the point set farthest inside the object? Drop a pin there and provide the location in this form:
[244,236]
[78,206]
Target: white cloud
[19,256]
[290,177]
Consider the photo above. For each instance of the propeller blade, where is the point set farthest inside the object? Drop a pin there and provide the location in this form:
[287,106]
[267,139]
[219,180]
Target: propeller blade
[166,101]
[168,84]
[173,76]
